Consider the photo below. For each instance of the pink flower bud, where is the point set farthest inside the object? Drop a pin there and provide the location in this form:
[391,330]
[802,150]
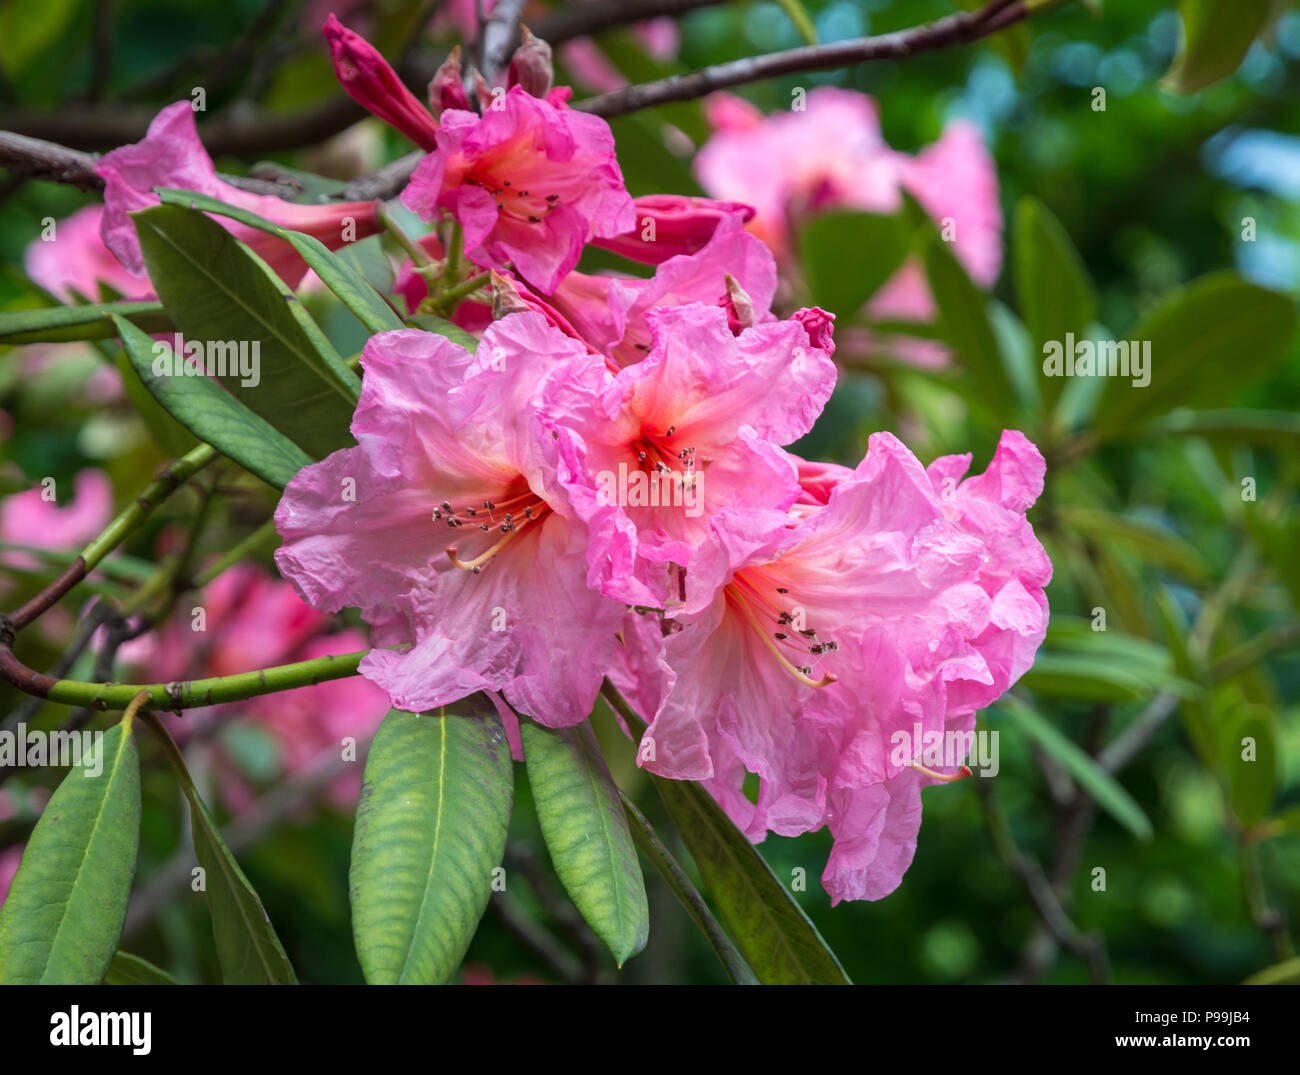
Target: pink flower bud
[531,66]
[447,88]
[672,224]
[373,84]
[819,325]
[739,306]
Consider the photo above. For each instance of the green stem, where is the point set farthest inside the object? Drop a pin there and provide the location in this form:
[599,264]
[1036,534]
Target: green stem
[447,299]
[798,14]
[196,693]
[414,250]
[249,545]
[172,478]
[455,253]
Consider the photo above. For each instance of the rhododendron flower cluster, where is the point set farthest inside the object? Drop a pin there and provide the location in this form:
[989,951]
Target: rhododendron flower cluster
[603,488]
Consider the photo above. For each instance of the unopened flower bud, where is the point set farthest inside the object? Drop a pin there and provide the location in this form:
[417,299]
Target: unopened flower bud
[739,306]
[447,87]
[373,84]
[819,324]
[531,66]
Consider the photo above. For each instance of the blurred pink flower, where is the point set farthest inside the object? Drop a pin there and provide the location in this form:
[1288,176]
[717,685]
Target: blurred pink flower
[831,156]
[30,518]
[75,261]
[529,181]
[171,155]
[253,620]
[790,164]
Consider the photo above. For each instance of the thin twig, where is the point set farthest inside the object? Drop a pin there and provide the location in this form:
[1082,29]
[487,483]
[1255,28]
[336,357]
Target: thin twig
[578,20]
[960,28]
[1089,947]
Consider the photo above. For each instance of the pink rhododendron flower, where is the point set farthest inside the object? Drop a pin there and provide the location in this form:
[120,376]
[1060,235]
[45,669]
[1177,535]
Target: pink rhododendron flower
[671,224]
[590,66]
[907,601]
[374,85]
[529,181]
[831,155]
[450,443]
[171,155]
[75,261]
[693,428]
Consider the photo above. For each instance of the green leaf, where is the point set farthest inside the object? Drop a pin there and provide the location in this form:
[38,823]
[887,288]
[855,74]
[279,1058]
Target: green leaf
[62,919]
[353,290]
[430,830]
[1153,543]
[1217,34]
[653,847]
[213,415]
[127,969]
[772,932]
[1053,290]
[1284,973]
[1207,340]
[248,949]
[848,256]
[29,27]
[1092,778]
[964,319]
[1274,429]
[63,324]
[1247,750]
[216,291]
[1086,678]
[586,833]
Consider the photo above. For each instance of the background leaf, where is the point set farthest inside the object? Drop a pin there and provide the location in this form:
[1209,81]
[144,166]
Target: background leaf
[1216,37]
[1190,332]
[127,969]
[1053,290]
[848,256]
